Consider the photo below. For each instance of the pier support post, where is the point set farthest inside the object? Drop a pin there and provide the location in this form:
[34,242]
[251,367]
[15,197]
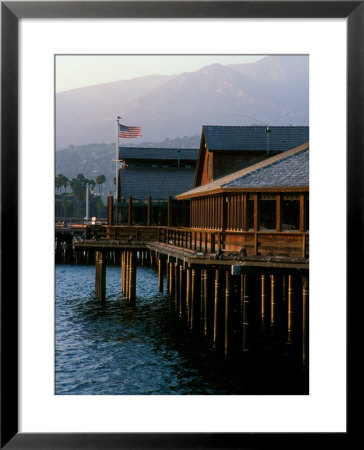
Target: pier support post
[217,307]
[122,272]
[202,298]
[304,319]
[171,278]
[182,292]
[167,277]
[206,308]
[228,311]
[127,274]
[176,286]
[290,309]
[160,274]
[188,294]
[272,300]
[246,314]
[195,299]
[263,297]
[132,278]
[100,276]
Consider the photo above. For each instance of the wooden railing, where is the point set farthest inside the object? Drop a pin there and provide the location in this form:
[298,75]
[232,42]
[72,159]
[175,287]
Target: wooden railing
[264,243]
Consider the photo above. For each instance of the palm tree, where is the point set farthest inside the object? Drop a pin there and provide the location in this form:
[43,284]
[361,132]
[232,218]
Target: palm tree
[61,181]
[57,184]
[100,179]
[64,182]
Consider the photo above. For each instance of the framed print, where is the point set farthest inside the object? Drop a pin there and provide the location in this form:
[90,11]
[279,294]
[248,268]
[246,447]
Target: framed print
[40,411]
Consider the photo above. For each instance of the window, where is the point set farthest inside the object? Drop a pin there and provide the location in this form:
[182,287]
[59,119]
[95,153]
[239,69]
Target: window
[267,212]
[307,213]
[290,212]
[250,212]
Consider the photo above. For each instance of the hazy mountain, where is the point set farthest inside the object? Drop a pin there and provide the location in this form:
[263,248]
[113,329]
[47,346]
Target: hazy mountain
[273,90]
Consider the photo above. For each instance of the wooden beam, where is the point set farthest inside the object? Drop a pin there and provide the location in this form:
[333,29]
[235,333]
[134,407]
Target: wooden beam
[244,212]
[278,212]
[256,211]
[302,213]
[109,209]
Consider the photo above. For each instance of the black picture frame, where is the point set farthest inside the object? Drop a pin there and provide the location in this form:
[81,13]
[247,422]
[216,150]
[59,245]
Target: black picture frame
[11,12]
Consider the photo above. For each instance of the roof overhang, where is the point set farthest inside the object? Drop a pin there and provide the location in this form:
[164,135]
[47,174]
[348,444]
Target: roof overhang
[217,191]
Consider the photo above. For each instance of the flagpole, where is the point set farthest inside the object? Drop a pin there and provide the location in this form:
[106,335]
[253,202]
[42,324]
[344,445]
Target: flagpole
[117,181]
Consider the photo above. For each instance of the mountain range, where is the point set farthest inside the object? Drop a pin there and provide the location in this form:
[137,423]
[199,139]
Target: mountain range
[271,91]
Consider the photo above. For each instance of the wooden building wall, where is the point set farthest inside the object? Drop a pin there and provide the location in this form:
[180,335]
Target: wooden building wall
[231,221]
[241,211]
[217,164]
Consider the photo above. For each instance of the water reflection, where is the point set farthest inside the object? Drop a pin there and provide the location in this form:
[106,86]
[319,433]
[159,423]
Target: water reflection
[146,349]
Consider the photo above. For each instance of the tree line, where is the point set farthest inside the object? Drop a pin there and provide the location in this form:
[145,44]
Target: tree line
[73,204]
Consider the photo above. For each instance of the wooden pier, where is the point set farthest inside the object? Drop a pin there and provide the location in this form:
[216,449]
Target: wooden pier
[225,296]
[239,270]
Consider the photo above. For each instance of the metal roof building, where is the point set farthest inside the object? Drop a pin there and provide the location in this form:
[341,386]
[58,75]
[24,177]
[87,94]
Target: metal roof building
[225,149]
[156,172]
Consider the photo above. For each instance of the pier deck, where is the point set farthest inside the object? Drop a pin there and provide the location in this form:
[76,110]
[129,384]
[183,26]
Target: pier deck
[223,293]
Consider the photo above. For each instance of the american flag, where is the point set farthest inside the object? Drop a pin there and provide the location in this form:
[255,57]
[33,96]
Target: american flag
[129,132]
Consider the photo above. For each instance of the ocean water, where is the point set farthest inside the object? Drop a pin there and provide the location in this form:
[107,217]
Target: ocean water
[146,349]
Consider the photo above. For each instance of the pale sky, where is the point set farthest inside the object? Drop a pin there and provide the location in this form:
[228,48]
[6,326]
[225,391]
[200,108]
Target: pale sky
[75,71]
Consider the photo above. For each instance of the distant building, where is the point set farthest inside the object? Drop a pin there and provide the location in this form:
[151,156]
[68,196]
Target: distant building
[225,149]
[156,172]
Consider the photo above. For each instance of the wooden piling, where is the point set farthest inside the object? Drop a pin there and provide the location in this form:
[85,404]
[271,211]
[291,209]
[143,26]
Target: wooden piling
[160,274]
[122,272]
[100,276]
[176,286]
[246,315]
[188,294]
[127,275]
[304,319]
[195,299]
[182,292]
[236,330]
[132,277]
[167,277]
[216,308]
[272,300]
[290,309]
[202,298]
[227,312]
[171,278]
[206,306]
[263,298]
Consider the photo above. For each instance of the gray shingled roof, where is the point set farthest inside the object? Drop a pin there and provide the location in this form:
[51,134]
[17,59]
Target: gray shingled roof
[292,171]
[147,153]
[288,169]
[158,183]
[222,138]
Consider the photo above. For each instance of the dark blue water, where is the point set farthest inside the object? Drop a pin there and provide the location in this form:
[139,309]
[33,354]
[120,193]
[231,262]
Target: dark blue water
[117,349]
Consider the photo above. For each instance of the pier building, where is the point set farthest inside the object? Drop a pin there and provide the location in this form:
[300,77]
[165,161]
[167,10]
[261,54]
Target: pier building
[149,182]
[225,149]
[263,208]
